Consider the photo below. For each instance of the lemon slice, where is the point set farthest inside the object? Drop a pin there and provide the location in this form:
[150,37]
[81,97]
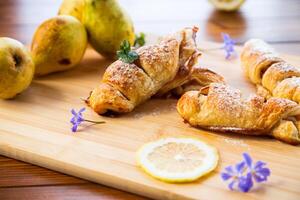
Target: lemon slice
[177,159]
[227,5]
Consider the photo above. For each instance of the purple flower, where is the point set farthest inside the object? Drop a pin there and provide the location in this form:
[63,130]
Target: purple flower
[228,45]
[258,171]
[241,174]
[233,174]
[77,119]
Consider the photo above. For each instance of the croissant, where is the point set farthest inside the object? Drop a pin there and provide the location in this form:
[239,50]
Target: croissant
[219,107]
[159,69]
[272,75]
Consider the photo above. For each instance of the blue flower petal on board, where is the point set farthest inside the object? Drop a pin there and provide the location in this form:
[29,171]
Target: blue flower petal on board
[247,159]
[243,173]
[240,167]
[228,45]
[76,119]
[233,173]
[245,183]
[74,128]
[259,172]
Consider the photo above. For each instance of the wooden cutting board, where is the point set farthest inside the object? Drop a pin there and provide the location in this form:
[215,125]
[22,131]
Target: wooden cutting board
[35,128]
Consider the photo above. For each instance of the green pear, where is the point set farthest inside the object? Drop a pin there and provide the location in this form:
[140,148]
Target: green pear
[107,25]
[16,68]
[72,7]
[58,44]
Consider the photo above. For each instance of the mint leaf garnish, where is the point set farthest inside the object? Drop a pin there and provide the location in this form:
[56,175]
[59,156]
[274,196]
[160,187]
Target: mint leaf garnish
[125,53]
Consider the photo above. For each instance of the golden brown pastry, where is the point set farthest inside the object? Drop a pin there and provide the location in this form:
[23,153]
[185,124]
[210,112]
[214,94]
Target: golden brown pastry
[160,68]
[219,107]
[272,75]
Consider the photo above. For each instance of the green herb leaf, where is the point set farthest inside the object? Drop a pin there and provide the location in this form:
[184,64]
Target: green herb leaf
[125,53]
[140,40]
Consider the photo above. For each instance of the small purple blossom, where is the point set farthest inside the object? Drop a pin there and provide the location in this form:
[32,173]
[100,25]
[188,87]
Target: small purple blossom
[258,171]
[77,119]
[241,175]
[234,174]
[228,45]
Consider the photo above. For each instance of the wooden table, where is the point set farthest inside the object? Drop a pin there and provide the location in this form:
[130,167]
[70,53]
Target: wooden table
[276,21]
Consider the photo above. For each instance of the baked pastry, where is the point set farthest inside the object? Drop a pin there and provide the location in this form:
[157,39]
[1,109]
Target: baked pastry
[160,68]
[272,75]
[189,77]
[219,107]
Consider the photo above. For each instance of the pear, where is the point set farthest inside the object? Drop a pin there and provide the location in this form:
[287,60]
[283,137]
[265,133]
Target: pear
[16,68]
[107,25]
[72,7]
[58,44]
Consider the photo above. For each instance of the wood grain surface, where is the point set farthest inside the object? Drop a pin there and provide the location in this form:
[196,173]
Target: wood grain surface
[273,20]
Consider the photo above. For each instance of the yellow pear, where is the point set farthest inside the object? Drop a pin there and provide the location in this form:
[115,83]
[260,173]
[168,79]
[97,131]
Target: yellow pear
[58,44]
[16,68]
[107,25]
[72,7]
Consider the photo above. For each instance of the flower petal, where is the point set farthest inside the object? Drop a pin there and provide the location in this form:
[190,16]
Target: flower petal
[240,166]
[265,171]
[73,120]
[227,55]
[259,164]
[73,112]
[81,110]
[74,128]
[247,159]
[229,169]
[80,119]
[261,175]
[231,184]
[259,178]
[245,183]
[228,45]
[225,176]
[225,37]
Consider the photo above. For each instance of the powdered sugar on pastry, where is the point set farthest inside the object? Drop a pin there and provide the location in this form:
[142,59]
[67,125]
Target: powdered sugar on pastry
[219,107]
[124,85]
[264,67]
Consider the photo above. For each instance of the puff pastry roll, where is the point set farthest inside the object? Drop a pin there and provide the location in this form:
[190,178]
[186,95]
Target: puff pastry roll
[219,107]
[160,68]
[272,75]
